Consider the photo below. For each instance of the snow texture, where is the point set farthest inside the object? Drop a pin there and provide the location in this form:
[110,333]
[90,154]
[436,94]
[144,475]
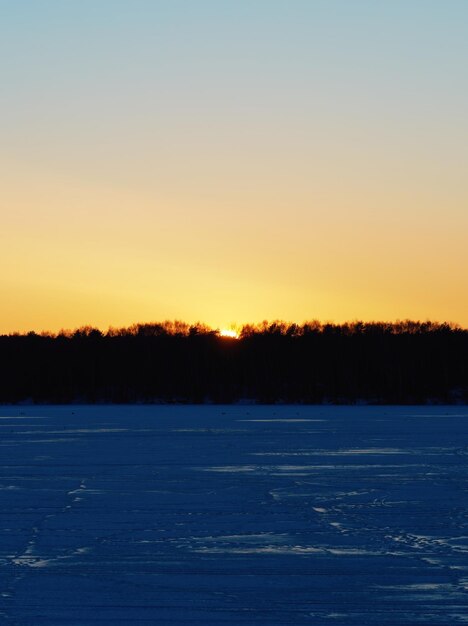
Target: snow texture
[210,515]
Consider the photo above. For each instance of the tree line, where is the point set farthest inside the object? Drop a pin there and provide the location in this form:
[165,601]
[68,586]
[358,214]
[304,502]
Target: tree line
[407,362]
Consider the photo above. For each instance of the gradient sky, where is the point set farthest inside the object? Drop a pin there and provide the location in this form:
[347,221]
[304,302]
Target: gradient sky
[232,161]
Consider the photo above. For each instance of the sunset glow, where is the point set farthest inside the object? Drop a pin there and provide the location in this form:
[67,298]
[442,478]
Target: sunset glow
[223,162]
[231,334]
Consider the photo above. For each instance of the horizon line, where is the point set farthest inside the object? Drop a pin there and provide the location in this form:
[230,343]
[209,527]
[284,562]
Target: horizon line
[178,326]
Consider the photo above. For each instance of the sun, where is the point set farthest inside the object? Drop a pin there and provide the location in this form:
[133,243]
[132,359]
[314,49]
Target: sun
[229,333]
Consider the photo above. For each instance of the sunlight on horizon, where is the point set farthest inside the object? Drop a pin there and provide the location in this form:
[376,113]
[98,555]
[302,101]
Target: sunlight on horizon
[229,333]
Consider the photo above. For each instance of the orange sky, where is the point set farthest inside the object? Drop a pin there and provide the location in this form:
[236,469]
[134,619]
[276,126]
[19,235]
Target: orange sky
[224,165]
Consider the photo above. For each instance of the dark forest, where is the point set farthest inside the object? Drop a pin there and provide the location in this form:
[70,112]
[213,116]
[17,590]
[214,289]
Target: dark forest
[172,362]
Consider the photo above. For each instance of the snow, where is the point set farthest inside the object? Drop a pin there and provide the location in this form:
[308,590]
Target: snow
[180,515]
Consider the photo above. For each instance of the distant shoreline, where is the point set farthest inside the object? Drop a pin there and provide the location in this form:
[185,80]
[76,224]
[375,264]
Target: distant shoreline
[406,363]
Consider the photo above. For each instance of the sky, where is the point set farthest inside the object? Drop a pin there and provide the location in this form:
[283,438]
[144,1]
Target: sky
[230,162]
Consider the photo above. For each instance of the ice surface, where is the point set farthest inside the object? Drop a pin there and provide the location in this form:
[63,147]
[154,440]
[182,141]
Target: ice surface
[208,515]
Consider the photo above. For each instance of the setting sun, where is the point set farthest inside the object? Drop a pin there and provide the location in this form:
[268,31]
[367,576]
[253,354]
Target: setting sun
[231,334]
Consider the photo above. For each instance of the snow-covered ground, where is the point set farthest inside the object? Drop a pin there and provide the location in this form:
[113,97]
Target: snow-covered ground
[241,515]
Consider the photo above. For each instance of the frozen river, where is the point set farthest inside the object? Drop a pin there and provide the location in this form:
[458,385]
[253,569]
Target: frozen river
[328,516]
